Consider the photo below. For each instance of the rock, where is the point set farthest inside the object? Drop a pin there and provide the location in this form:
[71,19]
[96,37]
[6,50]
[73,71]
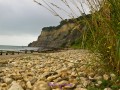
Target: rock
[70,65]
[82,74]
[32,81]
[28,84]
[47,74]
[99,82]
[41,85]
[15,86]
[74,74]
[98,77]
[3,85]
[16,77]
[56,89]
[70,86]
[106,77]
[8,80]
[58,79]
[92,79]
[62,83]
[30,74]
[3,62]
[84,81]
[2,74]
[1,80]
[22,84]
[53,85]
[1,71]
[51,78]
[80,89]
[107,89]
[113,76]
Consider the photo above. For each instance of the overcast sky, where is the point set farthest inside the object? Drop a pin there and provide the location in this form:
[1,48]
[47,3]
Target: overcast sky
[21,21]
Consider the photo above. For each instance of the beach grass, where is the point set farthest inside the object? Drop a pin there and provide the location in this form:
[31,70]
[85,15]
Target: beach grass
[102,32]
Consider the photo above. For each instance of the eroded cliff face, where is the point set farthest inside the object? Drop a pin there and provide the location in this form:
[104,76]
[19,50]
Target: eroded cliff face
[63,36]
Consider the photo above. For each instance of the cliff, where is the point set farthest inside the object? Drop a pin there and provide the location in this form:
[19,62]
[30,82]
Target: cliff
[62,35]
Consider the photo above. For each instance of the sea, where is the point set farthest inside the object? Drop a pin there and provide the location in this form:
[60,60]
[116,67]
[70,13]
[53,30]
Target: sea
[16,48]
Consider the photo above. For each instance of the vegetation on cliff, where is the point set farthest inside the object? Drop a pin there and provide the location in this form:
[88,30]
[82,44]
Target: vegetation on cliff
[66,21]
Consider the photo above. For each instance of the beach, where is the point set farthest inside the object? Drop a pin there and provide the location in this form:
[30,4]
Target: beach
[63,70]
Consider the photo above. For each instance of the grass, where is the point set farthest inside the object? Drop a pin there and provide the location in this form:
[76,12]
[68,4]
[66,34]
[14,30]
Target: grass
[113,84]
[102,32]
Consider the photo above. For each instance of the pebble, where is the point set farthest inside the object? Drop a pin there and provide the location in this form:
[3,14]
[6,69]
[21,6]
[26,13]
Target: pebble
[33,81]
[41,85]
[106,77]
[8,80]
[15,86]
[29,85]
[36,72]
[107,89]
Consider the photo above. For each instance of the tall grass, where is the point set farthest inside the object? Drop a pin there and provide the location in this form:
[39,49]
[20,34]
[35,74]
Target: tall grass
[103,28]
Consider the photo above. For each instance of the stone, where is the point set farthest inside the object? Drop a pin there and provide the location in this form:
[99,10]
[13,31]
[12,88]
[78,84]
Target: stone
[71,65]
[32,81]
[56,89]
[80,89]
[92,79]
[16,77]
[3,85]
[113,76]
[99,82]
[84,81]
[8,80]
[28,84]
[106,77]
[47,74]
[51,78]
[62,83]
[15,86]
[30,74]
[98,77]
[107,89]
[4,62]
[58,79]
[41,85]
[1,71]
[22,84]
[2,74]
[1,80]
[70,86]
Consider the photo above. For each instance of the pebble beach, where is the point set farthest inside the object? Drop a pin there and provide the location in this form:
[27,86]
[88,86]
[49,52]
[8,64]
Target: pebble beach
[63,70]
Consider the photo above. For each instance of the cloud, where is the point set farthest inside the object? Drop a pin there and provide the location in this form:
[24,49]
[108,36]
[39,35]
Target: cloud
[24,17]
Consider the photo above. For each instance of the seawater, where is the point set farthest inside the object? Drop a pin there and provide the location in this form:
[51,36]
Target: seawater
[16,48]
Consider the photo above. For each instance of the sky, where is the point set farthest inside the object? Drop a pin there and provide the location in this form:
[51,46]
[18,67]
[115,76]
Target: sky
[21,21]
